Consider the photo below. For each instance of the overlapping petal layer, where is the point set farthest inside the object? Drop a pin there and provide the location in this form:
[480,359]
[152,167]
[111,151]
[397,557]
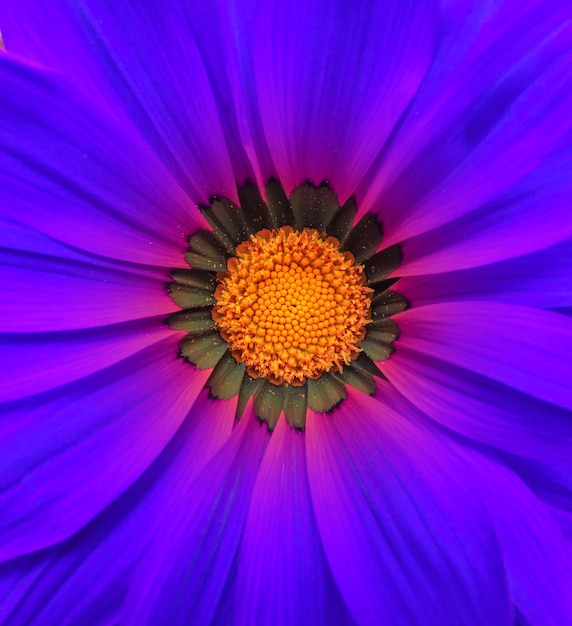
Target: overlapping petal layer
[130,495]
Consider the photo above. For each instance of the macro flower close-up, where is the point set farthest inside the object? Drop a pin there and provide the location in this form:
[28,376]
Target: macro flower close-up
[286,313]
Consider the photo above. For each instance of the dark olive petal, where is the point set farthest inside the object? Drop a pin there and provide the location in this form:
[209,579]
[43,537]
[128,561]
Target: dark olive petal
[190,297]
[376,350]
[387,303]
[249,387]
[295,405]
[195,322]
[227,218]
[365,364]
[314,207]
[226,378]
[195,278]
[268,403]
[254,208]
[364,238]
[205,351]
[358,378]
[379,266]
[224,238]
[341,225]
[206,252]
[278,204]
[383,335]
[382,325]
[325,392]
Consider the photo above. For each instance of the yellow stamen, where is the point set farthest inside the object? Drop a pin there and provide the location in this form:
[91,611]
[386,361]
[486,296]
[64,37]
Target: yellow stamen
[292,306]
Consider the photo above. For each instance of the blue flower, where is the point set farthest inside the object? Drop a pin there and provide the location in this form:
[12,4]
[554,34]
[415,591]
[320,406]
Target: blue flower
[130,494]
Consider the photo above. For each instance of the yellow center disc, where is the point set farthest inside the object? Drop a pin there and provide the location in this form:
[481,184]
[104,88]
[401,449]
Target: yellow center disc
[292,306]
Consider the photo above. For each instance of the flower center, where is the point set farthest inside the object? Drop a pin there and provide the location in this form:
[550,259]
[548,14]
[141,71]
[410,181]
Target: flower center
[292,305]
[288,300]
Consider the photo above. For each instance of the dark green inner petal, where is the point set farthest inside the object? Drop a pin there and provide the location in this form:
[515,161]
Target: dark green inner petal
[189,297]
[325,392]
[387,303]
[278,204]
[268,402]
[249,388]
[227,221]
[195,321]
[295,405]
[204,352]
[193,290]
[314,207]
[358,378]
[379,266]
[364,238]
[226,378]
[206,252]
[341,225]
[255,209]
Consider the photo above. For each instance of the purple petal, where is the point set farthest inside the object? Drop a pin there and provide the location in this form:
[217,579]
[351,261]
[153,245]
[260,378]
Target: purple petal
[329,96]
[185,571]
[281,556]
[541,279]
[43,361]
[531,542]
[521,347]
[405,535]
[62,289]
[536,553]
[531,216]
[550,483]
[94,184]
[73,582]
[144,67]
[90,441]
[470,135]
[480,408]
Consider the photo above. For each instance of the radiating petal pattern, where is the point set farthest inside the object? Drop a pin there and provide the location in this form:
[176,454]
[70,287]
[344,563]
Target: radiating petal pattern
[183,576]
[61,288]
[540,279]
[117,198]
[308,109]
[438,490]
[121,57]
[281,557]
[396,494]
[72,583]
[124,414]
[522,347]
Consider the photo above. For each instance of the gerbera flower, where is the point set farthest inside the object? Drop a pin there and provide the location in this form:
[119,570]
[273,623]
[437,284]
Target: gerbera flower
[286,313]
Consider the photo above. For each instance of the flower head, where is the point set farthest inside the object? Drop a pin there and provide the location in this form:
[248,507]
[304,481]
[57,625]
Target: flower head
[352,222]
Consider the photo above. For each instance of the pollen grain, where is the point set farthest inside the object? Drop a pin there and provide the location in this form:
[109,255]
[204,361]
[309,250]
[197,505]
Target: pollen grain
[292,305]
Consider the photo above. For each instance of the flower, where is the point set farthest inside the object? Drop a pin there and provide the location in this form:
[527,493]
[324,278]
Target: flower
[129,494]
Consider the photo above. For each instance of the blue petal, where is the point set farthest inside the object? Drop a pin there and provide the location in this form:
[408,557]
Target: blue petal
[541,279]
[142,65]
[79,177]
[536,552]
[525,348]
[182,577]
[43,361]
[482,409]
[86,578]
[281,561]
[327,81]
[68,453]
[407,539]
[533,215]
[60,288]
[486,124]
